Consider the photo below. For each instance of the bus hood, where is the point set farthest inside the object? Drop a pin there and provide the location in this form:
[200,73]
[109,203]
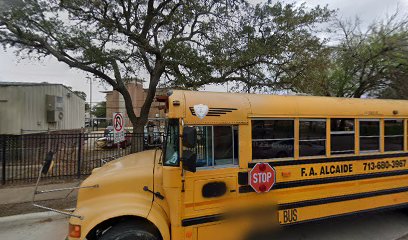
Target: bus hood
[130,162]
[126,176]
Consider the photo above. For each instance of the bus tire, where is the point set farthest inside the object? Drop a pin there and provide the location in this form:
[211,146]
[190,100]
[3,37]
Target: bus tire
[131,230]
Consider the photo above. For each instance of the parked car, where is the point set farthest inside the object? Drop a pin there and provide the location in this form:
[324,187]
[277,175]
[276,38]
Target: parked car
[107,141]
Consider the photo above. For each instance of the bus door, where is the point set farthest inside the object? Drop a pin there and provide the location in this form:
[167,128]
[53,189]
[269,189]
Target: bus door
[214,185]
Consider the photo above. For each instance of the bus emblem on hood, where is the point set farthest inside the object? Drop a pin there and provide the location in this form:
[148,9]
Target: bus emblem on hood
[200,110]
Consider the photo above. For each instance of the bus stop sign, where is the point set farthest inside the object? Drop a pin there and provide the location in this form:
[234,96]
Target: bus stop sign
[262,177]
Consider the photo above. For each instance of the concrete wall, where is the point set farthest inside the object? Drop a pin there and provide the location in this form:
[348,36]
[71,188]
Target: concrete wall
[11,104]
[23,109]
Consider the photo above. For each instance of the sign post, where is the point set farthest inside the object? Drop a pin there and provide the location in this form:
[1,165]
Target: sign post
[262,177]
[118,128]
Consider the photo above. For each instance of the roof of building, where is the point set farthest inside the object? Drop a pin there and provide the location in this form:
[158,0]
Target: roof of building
[5,84]
[30,84]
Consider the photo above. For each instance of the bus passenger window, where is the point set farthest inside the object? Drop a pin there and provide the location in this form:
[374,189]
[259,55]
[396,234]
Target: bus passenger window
[312,137]
[370,135]
[393,135]
[204,146]
[272,139]
[223,145]
[342,136]
[217,145]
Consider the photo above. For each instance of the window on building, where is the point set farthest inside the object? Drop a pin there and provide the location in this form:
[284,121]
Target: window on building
[217,145]
[312,137]
[272,139]
[393,135]
[370,135]
[342,135]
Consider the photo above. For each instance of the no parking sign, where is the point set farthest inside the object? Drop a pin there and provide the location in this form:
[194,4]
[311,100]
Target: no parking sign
[118,126]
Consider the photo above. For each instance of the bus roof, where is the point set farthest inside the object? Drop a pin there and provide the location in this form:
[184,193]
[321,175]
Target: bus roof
[235,108]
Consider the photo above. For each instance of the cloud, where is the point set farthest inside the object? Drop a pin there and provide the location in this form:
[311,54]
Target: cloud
[17,69]
[367,10]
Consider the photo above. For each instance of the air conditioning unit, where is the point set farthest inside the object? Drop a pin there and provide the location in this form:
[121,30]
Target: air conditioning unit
[55,108]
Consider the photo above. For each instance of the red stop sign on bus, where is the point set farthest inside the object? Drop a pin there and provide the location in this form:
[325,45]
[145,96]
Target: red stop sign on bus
[262,177]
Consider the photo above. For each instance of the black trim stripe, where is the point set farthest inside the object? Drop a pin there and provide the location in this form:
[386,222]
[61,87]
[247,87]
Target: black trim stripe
[218,217]
[204,219]
[386,208]
[215,112]
[307,182]
[342,198]
[330,160]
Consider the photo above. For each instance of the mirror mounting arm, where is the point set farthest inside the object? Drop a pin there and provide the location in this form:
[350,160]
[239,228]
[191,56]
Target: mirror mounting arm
[157,194]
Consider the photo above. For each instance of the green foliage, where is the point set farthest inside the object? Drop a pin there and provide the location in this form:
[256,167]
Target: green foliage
[365,63]
[80,94]
[99,110]
[182,44]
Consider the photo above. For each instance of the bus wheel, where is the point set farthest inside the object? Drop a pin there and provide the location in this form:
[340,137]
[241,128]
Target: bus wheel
[130,230]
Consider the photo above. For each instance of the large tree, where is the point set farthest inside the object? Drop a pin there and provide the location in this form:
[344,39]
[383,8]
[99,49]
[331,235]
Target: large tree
[370,61]
[180,43]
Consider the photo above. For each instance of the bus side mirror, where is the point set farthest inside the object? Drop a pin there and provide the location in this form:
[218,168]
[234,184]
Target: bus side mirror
[189,137]
[189,161]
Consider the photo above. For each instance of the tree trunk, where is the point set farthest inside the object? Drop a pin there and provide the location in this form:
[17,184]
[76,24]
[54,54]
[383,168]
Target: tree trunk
[139,123]
[136,143]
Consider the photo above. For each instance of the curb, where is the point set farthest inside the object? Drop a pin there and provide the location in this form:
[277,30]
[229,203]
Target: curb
[32,217]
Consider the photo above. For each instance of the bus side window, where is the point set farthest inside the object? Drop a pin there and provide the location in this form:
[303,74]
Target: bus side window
[369,135]
[342,136]
[217,146]
[204,147]
[312,137]
[393,135]
[272,138]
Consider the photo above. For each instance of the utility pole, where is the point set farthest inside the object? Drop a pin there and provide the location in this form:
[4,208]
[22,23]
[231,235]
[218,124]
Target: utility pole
[90,102]
[248,69]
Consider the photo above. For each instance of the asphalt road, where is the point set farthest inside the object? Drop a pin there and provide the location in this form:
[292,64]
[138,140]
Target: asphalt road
[34,227]
[391,225]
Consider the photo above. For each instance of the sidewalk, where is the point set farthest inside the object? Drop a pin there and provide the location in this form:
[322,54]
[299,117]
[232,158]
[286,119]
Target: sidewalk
[17,200]
[15,194]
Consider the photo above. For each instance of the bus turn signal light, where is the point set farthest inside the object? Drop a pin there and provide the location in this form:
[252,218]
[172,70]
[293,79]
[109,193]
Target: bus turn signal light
[74,231]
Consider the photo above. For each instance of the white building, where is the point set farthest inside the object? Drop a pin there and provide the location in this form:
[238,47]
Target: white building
[37,107]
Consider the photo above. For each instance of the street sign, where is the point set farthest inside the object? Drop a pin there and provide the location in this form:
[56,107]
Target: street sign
[118,127]
[262,177]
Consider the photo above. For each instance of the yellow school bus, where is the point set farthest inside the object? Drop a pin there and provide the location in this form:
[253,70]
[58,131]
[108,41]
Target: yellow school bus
[330,156]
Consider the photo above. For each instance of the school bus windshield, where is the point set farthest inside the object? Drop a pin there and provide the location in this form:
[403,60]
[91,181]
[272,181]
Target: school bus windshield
[172,146]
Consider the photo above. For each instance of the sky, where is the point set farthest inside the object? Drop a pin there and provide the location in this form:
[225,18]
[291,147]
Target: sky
[17,69]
